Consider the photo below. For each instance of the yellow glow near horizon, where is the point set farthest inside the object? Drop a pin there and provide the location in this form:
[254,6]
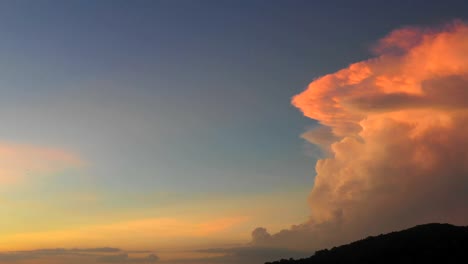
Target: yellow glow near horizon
[131,234]
[222,221]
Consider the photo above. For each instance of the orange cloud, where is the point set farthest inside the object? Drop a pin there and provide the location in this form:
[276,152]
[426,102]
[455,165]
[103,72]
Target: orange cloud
[396,128]
[20,161]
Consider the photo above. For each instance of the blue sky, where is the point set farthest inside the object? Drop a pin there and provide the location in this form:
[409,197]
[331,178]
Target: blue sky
[192,90]
[178,100]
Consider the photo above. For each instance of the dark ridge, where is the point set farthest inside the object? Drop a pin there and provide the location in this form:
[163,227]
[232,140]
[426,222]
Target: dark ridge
[429,243]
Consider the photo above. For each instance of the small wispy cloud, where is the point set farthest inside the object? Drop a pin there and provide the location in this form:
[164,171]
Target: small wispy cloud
[19,162]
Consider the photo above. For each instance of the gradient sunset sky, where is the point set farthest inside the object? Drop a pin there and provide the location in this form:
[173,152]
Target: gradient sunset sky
[163,131]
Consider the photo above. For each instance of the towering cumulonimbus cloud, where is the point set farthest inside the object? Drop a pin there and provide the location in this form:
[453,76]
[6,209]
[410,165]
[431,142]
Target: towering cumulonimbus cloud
[396,130]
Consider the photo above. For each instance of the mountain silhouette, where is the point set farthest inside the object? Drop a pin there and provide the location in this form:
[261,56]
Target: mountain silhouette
[429,243]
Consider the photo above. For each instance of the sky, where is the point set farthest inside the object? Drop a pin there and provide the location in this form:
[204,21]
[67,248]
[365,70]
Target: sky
[226,131]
